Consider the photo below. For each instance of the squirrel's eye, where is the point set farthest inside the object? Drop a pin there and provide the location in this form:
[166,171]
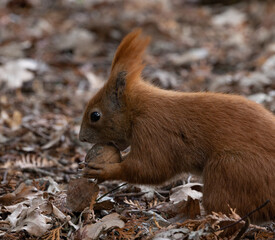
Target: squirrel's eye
[95,116]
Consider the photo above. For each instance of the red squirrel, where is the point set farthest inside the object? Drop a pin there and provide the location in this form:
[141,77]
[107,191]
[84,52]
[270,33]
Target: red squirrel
[227,139]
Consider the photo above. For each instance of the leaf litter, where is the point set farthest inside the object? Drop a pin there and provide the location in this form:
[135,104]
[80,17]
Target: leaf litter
[55,54]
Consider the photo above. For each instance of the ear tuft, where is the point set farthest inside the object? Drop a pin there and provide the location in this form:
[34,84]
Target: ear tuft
[116,95]
[129,56]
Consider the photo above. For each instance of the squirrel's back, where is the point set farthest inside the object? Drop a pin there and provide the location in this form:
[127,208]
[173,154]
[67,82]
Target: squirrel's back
[224,120]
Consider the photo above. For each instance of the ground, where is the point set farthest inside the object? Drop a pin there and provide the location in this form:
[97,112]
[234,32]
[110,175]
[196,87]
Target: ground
[54,55]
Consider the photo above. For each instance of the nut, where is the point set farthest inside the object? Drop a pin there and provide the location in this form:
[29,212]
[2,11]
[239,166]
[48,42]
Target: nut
[101,154]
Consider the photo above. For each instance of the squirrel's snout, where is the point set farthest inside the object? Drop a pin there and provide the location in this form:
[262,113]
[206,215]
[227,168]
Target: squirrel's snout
[82,137]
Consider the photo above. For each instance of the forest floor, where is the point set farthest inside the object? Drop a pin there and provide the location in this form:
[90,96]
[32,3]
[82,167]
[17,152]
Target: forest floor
[55,54]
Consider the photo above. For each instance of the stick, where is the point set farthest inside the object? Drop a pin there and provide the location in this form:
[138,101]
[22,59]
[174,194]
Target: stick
[123,184]
[246,216]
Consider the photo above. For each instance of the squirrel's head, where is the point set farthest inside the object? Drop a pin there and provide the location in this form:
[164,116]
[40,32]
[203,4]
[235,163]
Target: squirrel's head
[108,117]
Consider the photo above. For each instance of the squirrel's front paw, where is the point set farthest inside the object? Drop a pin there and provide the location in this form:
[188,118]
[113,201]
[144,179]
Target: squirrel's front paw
[93,170]
[106,171]
[102,162]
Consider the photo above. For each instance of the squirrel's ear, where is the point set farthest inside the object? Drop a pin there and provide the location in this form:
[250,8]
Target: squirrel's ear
[117,90]
[126,67]
[129,57]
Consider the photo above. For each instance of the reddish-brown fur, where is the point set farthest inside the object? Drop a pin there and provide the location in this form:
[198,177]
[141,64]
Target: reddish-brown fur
[227,139]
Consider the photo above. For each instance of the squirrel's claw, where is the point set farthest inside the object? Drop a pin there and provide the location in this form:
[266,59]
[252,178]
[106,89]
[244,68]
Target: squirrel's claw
[102,171]
[94,170]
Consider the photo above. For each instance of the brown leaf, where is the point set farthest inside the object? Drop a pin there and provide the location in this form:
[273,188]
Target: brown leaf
[192,208]
[184,191]
[104,205]
[18,195]
[81,194]
[34,222]
[92,231]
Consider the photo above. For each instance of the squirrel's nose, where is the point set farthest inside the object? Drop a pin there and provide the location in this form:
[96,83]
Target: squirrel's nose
[82,137]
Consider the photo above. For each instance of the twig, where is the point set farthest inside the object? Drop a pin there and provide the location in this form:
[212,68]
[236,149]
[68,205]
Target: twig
[35,131]
[5,177]
[38,170]
[123,184]
[246,216]
[162,198]
[243,229]
[131,194]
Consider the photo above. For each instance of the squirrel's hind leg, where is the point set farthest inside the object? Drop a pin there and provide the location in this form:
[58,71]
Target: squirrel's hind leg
[240,181]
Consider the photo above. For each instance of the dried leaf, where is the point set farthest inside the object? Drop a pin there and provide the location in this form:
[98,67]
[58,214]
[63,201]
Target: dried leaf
[21,193]
[179,233]
[35,223]
[231,17]
[184,191]
[81,194]
[14,121]
[55,139]
[93,231]
[79,39]
[193,55]
[14,73]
